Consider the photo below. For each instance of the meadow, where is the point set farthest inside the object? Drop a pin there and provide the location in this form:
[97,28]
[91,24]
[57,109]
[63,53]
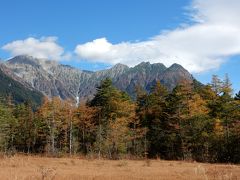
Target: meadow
[21,167]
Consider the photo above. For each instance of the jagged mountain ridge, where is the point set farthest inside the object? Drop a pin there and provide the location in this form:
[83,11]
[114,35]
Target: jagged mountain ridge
[54,79]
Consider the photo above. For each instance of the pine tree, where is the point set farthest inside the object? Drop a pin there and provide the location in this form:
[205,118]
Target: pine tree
[142,121]
[216,84]
[237,96]
[157,121]
[7,128]
[114,120]
[105,101]
[24,140]
[8,125]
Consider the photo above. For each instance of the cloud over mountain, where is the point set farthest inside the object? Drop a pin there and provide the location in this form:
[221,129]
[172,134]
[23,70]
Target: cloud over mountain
[45,47]
[211,37]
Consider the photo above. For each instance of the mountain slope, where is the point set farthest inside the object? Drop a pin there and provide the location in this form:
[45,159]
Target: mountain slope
[20,91]
[54,79]
[40,74]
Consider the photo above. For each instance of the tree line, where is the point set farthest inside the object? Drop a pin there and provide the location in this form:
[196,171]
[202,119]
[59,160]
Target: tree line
[193,122]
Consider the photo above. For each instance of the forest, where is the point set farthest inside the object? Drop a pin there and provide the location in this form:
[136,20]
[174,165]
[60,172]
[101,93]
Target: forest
[193,122]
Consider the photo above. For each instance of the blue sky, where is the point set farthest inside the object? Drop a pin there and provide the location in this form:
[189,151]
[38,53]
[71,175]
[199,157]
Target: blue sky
[201,35]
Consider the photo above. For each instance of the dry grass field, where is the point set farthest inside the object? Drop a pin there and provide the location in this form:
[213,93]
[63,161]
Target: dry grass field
[43,168]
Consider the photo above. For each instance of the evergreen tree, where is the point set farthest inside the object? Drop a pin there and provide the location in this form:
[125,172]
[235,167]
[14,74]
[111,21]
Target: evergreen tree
[114,119]
[237,96]
[178,111]
[216,84]
[156,121]
[25,133]
[7,128]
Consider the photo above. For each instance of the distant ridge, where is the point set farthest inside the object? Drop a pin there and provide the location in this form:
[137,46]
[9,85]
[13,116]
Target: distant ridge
[54,79]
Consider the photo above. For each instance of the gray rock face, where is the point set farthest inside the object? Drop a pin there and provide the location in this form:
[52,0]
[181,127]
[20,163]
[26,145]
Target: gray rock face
[54,79]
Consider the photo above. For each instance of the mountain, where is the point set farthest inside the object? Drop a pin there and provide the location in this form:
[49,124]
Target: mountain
[54,79]
[20,90]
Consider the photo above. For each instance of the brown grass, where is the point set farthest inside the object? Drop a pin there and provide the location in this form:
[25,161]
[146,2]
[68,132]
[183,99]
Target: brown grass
[43,168]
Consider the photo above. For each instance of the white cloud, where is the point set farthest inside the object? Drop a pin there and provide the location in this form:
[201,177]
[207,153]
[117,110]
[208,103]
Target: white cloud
[213,37]
[94,49]
[216,11]
[45,47]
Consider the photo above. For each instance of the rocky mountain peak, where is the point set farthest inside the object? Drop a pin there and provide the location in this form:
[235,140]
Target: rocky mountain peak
[32,61]
[143,65]
[120,66]
[176,67]
[158,67]
[24,59]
